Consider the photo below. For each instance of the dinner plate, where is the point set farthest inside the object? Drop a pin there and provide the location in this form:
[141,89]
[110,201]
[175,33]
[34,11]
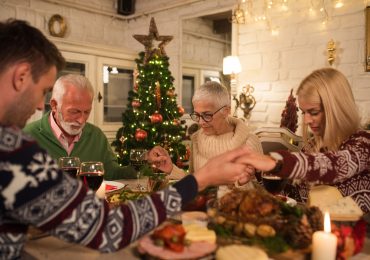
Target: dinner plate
[195,250]
[111,186]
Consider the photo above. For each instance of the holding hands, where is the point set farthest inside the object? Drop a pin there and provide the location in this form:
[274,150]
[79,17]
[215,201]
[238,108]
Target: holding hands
[227,168]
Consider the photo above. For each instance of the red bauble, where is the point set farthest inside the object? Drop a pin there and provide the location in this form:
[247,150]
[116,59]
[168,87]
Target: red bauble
[136,103]
[140,134]
[156,118]
[181,110]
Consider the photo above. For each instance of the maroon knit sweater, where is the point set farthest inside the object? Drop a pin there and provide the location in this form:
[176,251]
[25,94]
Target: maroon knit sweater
[347,169]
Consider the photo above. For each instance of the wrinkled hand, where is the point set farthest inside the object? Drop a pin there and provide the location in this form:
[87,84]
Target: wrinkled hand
[223,169]
[160,159]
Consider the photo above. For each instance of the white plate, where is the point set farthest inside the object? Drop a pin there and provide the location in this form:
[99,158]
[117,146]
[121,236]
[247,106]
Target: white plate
[113,186]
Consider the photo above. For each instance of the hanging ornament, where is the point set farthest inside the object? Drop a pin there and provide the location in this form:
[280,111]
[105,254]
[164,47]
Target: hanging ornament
[156,118]
[147,41]
[140,134]
[123,139]
[181,110]
[158,94]
[171,92]
[136,103]
[136,87]
[176,122]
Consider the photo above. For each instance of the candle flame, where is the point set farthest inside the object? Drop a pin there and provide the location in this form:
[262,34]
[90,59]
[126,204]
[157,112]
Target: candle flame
[327,227]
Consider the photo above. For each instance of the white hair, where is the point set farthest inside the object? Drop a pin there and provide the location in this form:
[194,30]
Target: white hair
[76,80]
[213,92]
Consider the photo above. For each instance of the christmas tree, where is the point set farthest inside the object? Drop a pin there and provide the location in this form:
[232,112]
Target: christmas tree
[289,117]
[153,115]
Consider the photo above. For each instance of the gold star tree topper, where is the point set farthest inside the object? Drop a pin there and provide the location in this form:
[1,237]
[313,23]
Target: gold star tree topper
[147,41]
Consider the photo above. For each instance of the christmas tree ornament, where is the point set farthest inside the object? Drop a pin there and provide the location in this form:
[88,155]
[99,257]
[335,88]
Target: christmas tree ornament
[158,94]
[289,116]
[171,92]
[156,118]
[176,122]
[140,134]
[181,110]
[147,41]
[123,139]
[136,87]
[136,103]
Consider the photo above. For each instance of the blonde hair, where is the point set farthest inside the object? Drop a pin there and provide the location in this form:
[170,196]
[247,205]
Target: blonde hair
[330,88]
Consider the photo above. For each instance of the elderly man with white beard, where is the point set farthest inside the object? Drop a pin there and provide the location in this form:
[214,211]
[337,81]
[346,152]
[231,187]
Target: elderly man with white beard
[65,131]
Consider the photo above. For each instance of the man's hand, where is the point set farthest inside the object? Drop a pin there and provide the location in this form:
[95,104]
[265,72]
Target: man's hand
[160,159]
[223,169]
[258,161]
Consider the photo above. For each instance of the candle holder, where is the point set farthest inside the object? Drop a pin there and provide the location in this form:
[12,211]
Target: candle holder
[245,102]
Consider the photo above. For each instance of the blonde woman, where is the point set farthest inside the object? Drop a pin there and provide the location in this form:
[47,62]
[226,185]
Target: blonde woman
[337,151]
[219,132]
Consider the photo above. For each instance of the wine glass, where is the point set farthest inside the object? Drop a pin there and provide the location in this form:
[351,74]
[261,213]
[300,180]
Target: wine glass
[273,183]
[91,174]
[138,157]
[69,165]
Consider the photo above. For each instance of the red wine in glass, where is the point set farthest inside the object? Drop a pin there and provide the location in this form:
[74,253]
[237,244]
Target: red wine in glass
[272,183]
[71,171]
[92,179]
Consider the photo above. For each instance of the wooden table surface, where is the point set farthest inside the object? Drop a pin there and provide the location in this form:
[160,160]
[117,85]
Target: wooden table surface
[54,248]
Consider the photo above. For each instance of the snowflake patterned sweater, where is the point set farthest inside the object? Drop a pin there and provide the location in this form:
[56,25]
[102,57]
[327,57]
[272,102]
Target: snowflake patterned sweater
[34,192]
[348,169]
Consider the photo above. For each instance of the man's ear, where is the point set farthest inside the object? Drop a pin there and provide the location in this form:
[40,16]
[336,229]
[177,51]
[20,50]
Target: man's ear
[21,76]
[53,105]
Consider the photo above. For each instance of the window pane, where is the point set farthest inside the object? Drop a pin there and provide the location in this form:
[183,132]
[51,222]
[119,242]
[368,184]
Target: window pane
[187,92]
[117,83]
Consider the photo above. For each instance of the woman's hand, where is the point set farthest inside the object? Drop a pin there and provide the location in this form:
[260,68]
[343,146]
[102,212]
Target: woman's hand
[160,159]
[258,161]
[249,174]
[223,169]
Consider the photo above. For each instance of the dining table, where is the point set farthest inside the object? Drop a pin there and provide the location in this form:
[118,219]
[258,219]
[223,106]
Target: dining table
[48,247]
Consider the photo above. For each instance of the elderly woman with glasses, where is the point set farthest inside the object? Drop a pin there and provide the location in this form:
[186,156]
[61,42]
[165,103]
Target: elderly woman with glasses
[219,132]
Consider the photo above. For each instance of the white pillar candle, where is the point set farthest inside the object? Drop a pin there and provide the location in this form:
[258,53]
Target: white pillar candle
[324,244]
[100,193]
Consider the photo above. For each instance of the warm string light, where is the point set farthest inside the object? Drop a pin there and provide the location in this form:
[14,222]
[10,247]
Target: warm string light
[244,12]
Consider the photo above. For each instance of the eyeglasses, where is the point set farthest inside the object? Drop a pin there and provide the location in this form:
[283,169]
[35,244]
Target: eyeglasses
[206,116]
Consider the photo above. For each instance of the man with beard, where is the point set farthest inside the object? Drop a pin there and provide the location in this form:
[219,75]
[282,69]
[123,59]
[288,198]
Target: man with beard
[65,131]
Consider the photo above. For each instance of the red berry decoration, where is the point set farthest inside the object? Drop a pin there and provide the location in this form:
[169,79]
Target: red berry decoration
[176,122]
[140,134]
[156,118]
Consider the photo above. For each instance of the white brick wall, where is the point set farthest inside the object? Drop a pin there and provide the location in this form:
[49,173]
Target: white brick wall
[297,50]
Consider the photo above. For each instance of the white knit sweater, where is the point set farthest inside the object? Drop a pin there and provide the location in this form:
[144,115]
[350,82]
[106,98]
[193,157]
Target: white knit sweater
[204,147]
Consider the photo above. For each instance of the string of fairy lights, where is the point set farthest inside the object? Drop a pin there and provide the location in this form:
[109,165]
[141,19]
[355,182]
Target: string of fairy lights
[251,11]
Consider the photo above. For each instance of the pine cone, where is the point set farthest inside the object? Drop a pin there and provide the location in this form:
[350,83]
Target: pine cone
[298,233]
[315,218]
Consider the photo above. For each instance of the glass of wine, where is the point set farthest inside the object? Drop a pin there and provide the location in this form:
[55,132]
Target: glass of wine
[91,174]
[69,165]
[138,157]
[273,183]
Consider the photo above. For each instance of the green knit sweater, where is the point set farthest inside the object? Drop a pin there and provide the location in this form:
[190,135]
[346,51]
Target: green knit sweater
[92,146]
